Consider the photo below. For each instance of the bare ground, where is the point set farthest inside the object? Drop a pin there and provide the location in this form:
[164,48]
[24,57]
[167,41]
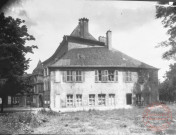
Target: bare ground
[118,122]
[121,121]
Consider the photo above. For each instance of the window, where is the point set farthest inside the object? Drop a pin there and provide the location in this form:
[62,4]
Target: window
[46,71]
[78,100]
[69,100]
[106,75]
[128,76]
[79,76]
[110,75]
[56,76]
[16,100]
[91,99]
[74,76]
[69,76]
[111,99]
[101,99]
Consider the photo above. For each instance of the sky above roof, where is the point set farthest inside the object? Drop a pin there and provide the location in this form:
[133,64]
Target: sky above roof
[135,31]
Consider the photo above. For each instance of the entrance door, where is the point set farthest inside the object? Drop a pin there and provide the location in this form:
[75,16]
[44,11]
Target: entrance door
[129,98]
[57,101]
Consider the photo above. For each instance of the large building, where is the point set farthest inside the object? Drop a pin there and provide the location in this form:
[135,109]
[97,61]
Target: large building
[86,73]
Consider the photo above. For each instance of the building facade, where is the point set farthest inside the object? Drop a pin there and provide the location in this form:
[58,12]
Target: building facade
[86,73]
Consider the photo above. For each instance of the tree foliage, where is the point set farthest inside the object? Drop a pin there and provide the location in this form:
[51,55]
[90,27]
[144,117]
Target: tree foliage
[168,16]
[167,89]
[13,63]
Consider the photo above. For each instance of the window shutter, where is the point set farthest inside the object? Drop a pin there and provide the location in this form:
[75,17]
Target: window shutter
[116,76]
[57,76]
[124,76]
[83,76]
[106,75]
[64,75]
[96,75]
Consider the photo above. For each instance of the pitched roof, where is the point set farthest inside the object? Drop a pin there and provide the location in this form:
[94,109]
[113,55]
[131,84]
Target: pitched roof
[98,57]
[76,33]
[38,69]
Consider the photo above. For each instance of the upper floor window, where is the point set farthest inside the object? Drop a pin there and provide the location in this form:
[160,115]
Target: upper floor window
[46,72]
[106,75]
[69,76]
[79,76]
[73,76]
[128,76]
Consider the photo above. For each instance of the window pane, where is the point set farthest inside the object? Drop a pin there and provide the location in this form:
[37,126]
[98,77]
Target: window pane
[69,100]
[111,99]
[91,99]
[101,99]
[78,100]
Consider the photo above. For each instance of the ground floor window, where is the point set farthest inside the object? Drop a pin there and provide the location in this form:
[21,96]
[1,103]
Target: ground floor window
[91,99]
[129,98]
[101,99]
[16,100]
[78,100]
[111,99]
[69,100]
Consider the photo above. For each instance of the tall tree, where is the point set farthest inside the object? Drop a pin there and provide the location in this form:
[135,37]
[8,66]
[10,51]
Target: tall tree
[168,16]
[13,63]
[167,88]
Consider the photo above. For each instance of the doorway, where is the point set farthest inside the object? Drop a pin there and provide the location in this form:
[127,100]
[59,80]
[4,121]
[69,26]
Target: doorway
[129,98]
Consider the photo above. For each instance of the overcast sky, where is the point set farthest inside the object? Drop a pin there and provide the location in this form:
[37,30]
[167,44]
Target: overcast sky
[135,31]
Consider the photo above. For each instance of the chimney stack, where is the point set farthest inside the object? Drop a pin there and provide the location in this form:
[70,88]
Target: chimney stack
[109,39]
[83,23]
[102,39]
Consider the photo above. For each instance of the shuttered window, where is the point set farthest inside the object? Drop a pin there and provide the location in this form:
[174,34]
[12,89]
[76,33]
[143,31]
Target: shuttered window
[73,76]
[106,75]
[128,76]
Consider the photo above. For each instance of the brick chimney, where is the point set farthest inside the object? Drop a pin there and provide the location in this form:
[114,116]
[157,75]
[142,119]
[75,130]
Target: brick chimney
[83,23]
[109,39]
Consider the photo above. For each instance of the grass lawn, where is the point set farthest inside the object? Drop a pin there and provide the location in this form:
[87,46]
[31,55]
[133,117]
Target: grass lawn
[120,122]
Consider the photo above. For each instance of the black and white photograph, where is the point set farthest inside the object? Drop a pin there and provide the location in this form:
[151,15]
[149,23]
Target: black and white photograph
[99,67]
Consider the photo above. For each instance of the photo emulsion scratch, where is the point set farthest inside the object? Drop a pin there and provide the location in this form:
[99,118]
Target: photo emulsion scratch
[87,67]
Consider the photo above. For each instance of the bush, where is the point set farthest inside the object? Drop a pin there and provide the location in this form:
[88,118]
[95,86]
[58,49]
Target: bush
[20,122]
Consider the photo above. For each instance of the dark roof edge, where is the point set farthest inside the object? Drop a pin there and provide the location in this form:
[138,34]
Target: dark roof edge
[102,67]
[55,53]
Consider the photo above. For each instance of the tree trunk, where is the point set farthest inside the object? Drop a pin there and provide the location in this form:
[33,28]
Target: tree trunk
[2,105]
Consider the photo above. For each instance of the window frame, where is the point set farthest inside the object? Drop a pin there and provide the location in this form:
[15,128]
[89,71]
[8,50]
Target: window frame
[69,100]
[91,99]
[104,76]
[128,76]
[111,99]
[78,100]
[79,75]
[102,99]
